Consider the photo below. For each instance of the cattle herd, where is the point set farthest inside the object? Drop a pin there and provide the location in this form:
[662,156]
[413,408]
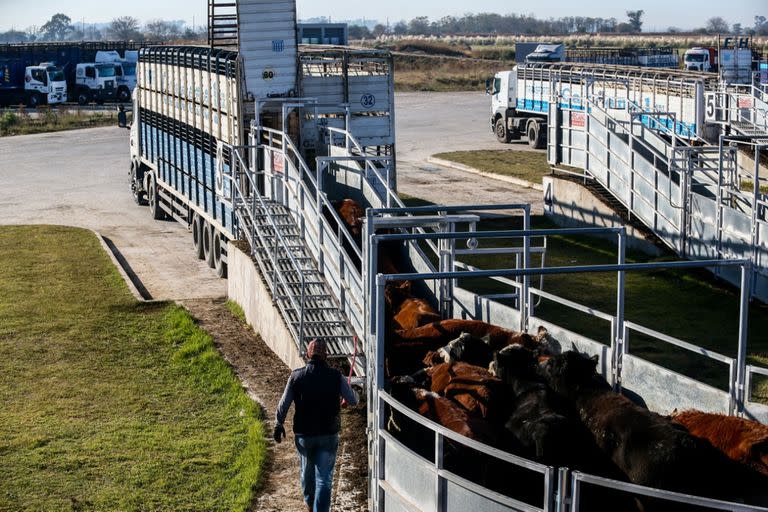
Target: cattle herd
[522,394]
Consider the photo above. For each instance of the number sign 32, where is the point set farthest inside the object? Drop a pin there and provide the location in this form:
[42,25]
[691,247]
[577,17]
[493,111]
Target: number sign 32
[368,100]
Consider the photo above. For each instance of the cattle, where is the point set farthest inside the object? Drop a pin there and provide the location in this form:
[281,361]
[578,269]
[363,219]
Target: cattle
[647,447]
[474,388]
[741,440]
[353,216]
[441,333]
[465,348]
[440,410]
[407,311]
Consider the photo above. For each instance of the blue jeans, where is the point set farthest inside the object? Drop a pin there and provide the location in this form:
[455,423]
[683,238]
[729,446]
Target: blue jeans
[318,458]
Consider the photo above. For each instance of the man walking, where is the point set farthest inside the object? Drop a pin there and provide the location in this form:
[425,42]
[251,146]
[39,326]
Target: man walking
[317,390]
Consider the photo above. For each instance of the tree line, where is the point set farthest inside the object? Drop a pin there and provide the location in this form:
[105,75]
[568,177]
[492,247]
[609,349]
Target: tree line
[522,24]
[122,28]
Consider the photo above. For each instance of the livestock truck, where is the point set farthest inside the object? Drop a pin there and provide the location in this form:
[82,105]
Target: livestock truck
[663,57]
[734,59]
[31,85]
[191,104]
[125,68]
[521,98]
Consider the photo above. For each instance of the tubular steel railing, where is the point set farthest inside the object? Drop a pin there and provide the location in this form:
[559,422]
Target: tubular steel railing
[565,494]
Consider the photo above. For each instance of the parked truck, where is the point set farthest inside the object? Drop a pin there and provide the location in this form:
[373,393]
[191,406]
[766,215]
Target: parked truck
[522,97]
[31,85]
[118,55]
[125,68]
[662,57]
[192,104]
[734,59]
[95,82]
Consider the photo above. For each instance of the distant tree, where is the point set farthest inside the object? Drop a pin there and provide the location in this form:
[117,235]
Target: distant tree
[159,30]
[379,30]
[400,28]
[674,30]
[636,20]
[359,32]
[717,25]
[625,28]
[419,26]
[57,28]
[189,34]
[761,25]
[13,36]
[737,28]
[124,28]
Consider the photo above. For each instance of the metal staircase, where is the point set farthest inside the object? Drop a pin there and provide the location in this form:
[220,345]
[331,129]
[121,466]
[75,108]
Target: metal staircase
[222,24]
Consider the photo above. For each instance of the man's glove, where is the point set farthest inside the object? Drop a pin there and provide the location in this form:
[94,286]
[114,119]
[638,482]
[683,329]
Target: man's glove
[279,433]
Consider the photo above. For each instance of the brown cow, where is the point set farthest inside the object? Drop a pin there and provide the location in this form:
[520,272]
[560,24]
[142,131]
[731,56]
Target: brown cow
[441,333]
[352,215]
[741,440]
[474,388]
[406,310]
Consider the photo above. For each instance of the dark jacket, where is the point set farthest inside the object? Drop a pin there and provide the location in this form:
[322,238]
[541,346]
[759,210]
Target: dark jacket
[317,390]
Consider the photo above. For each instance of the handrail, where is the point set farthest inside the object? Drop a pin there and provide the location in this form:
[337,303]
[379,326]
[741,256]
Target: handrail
[279,241]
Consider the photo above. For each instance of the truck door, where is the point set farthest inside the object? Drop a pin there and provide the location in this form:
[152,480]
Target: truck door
[38,81]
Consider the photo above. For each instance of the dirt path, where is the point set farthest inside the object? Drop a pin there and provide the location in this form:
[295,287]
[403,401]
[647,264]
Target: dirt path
[264,376]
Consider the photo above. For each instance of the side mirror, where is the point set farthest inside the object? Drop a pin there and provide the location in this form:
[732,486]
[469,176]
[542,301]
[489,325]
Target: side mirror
[122,118]
[488,87]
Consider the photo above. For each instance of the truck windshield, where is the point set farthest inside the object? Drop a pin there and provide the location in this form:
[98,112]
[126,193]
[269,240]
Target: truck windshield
[695,57]
[106,70]
[129,69]
[55,76]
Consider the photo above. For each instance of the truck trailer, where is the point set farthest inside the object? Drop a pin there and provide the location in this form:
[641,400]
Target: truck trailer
[521,98]
[192,104]
[31,85]
[663,57]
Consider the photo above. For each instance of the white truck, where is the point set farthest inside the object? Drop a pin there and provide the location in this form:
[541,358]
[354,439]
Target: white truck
[126,71]
[733,59]
[520,104]
[31,85]
[96,81]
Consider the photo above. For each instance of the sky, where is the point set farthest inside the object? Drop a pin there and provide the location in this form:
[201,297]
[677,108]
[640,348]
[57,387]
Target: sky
[660,14]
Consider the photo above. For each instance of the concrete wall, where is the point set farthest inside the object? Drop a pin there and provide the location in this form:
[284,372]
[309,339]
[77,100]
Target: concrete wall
[246,287]
[570,205]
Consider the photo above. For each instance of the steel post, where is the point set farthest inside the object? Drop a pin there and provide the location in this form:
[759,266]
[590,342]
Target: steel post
[741,364]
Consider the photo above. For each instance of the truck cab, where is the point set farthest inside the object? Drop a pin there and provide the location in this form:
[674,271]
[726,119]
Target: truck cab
[701,59]
[125,71]
[96,82]
[45,84]
[506,121]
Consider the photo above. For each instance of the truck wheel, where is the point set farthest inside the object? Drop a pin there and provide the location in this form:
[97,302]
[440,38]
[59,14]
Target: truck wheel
[152,197]
[35,100]
[502,133]
[218,252]
[83,97]
[138,195]
[208,235]
[536,138]
[123,95]
[197,236]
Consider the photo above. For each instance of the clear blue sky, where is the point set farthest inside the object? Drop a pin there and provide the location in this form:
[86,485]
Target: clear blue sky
[660,14]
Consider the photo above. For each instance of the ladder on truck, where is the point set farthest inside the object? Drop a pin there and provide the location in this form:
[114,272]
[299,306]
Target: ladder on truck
[222,24]
[310,305]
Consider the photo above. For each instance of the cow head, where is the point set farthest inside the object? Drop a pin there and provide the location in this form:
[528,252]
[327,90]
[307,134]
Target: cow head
[570,371]
[512,362]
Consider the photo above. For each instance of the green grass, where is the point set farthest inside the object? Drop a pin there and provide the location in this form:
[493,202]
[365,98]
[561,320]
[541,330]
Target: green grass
[237,311]
[107,403]
[749,186]
[526,165]
[688,305]
[51,119]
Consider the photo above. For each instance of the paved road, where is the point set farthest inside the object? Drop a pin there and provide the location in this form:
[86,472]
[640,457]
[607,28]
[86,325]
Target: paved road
[79,178]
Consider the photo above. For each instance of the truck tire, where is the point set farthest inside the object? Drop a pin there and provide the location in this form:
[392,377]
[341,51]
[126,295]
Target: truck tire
[218,253]
[137,193]
[197,236]
[35,100]
[502,133]
[83,97]
[209,232]
[536,136]
[123,95]
[154,200]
